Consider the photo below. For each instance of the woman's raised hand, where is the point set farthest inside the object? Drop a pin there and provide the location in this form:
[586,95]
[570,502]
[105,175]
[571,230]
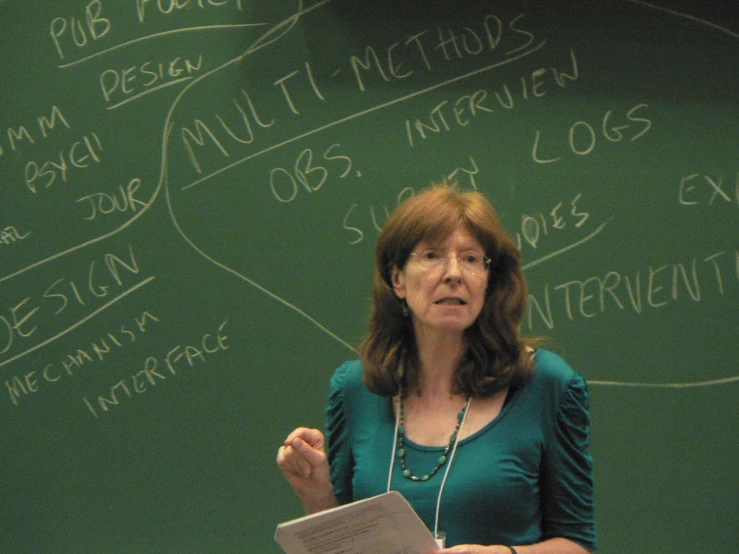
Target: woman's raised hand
[302,459]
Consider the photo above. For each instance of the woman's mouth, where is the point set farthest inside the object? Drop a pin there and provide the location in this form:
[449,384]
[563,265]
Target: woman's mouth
[451,301]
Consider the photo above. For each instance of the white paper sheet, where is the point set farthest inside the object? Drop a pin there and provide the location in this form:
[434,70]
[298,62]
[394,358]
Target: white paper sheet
[384,524]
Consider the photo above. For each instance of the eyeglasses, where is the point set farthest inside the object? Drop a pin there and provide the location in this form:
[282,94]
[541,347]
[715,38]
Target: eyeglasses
[469,262]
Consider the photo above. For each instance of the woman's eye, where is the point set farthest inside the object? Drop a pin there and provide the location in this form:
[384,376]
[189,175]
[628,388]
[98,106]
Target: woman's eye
[431,255]
[471,258]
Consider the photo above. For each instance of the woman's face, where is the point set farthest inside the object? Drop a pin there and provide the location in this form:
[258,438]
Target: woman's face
[444,284]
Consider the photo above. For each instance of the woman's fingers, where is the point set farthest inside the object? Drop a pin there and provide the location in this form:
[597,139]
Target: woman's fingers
[302,452]
[311,436]
[291,461]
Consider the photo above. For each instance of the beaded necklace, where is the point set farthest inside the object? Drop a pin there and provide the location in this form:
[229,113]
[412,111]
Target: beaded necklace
[441,459]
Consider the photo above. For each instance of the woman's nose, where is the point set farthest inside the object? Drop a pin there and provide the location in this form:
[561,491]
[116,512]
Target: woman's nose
[452,269]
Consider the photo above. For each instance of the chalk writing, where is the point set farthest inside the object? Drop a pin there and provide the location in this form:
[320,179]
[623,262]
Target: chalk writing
[306,172]
[462,176]
[27,322]
[91,27]
[418,50]
[80,155]
[351,218]
[167,7]
[453,95]
[654,287]
[582,137]
[282,84]
[21,134]
[244,136]
[10,235]
[79,359]
[458,114]
[200,130]
[240,127]
[378,214]
[122,201]
[121,86]
[156,370]
[696,189]
[153,36]
[534,228]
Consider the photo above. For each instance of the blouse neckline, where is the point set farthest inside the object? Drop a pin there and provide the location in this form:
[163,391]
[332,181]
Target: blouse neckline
[510,401]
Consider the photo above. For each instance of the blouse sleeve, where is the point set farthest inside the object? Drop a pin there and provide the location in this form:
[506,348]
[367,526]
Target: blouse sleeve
[567,476]
[339,451]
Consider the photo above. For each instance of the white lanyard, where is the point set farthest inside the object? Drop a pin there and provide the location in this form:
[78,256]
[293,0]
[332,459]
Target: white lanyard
[448,466]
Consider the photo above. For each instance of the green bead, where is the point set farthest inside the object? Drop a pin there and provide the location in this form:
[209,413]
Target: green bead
[441,460]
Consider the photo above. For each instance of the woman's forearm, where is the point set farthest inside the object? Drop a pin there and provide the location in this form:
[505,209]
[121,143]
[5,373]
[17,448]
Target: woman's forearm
[318,502]
[552,546]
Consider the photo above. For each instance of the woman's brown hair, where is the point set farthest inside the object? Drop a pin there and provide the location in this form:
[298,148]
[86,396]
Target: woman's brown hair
[497,356]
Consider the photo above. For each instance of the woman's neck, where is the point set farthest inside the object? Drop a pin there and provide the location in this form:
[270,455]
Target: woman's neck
[439,358]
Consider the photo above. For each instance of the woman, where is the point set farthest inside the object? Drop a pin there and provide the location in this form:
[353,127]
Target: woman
[485,437]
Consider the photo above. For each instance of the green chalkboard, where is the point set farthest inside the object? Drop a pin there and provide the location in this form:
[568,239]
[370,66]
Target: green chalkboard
[190,192]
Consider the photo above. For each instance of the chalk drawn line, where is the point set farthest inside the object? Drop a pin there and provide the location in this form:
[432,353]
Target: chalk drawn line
[684,16]
[80,322]
[369,111]
[694,384]
[90,242]
[148,91]
[263,41]
[158,35]
[330,333]
[164,182]
[268,38]
[565,249]
[260,43]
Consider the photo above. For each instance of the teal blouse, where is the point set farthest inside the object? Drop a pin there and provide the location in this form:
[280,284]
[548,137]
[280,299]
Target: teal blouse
[525,477]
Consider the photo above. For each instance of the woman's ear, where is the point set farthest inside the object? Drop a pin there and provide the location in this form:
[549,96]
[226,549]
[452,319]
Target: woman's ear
[398,280]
